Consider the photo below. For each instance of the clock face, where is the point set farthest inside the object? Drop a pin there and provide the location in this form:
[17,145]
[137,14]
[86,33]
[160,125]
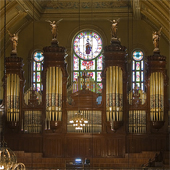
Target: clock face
[87,45]
[38,56]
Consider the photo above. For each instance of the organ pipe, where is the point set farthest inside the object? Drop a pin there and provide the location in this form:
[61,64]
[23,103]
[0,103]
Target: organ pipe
[32,121]
[137,121]
[53,94]
[114,94]
[13,86]
[157,97]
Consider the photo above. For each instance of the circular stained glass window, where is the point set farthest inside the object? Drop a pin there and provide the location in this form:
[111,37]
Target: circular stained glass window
[137,55]
[38,56]
[87,45]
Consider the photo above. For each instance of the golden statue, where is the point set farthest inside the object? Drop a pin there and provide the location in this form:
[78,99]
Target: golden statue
[114,27]
[156,38]
[14,39]
[54,28]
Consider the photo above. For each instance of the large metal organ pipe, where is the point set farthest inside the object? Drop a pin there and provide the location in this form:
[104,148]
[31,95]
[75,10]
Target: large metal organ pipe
[114,94]
[156,96]
[13,91]
[54,94]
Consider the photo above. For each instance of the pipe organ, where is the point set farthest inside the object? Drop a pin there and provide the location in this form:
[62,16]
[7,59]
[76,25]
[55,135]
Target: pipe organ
[54,83]
[54,94]
[41,121]
[115,79]
[137,111]
[158,81]
[13,90]
[32,121]
[137,121]
[156,96]
[114,94]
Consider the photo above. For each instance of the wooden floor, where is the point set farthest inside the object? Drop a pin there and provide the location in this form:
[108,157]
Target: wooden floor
[131,161]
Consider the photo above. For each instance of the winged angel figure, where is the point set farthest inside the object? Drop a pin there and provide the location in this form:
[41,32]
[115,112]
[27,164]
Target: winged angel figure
[155,38]
[114,27]
[14,39]
[54,27]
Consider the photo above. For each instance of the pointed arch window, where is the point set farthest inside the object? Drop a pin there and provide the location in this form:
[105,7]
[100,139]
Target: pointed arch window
[138,69]
[87,56]
[37,68]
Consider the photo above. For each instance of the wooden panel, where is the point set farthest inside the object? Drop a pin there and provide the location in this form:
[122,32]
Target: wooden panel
[154,142]
[115,147]
[68,150]
[121,147]
[59,147]
[12,143]
[75,147]
[109,144]
[82,147]
[87,146]
[53,147]
[97,147]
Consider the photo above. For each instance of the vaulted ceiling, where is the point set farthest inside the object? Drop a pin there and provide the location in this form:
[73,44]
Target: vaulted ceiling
[19,13]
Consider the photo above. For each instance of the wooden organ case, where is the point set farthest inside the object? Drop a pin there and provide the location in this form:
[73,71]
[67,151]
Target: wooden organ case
[124,122]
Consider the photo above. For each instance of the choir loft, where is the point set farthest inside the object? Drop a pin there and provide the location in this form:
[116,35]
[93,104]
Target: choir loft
[84,84]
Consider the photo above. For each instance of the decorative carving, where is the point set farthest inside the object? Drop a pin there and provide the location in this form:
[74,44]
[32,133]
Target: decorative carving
[84,99]
[115,46]
[55,126]
[137,98]
[32,100]
[115,54]
[115,125]
[54,49]
[157,124]
[156,62]
[156,58]
[51,4]
[13,125]
[14,65]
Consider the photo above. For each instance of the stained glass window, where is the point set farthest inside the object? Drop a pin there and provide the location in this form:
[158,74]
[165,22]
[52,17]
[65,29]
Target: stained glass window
[38,59]
[87,56]
[137,70]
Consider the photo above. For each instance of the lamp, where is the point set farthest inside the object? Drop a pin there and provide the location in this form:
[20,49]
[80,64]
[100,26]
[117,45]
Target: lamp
[78,121]
[8,159]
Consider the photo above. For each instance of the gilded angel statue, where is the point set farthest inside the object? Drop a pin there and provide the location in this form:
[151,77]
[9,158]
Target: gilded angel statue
[114,27]
[156,38]
[14,39]
[54,28]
